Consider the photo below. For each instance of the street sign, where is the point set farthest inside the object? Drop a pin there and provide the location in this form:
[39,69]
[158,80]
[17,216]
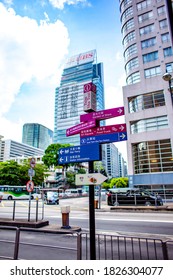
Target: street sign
[103,130]
[30,186]
[103,115]
[103,139]
[89,179]
[83,153]
[32,162]
[31,172]
[77,128]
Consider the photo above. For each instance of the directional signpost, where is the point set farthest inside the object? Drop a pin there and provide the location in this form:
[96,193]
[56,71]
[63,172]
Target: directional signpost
[103,114]
[83,153]
[91,136]
[77,128]
[103,130]
[105,138]
[89,179]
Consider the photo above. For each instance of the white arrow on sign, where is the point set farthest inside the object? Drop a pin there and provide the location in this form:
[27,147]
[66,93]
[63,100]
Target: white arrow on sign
[89,179]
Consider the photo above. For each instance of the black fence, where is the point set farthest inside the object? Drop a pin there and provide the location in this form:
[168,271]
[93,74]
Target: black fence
[26,243]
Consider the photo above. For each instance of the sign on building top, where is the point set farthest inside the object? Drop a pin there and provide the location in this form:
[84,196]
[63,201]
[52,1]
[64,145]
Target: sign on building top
[80,59]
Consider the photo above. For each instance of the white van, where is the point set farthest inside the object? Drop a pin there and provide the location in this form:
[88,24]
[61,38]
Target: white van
[72,192]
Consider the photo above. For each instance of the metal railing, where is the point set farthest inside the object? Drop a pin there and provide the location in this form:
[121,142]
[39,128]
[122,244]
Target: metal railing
[31,210]
[110,247]
[76,246]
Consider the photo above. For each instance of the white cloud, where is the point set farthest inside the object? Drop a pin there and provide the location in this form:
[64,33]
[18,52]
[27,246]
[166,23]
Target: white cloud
[59,4]
[28,51]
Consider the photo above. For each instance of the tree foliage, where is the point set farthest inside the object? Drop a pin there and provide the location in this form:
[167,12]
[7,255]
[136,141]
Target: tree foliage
[119,182]
[50,157]
[14,174]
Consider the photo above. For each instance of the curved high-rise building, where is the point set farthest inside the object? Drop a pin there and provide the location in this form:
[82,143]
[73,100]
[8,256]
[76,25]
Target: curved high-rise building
[37,135]
[148,55]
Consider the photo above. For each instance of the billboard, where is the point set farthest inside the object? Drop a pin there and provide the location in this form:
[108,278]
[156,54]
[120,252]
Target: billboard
[80,59]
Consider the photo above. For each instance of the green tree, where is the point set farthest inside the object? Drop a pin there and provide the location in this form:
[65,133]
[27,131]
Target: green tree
[9,173]
[119,182]
[14,174]
[50,157]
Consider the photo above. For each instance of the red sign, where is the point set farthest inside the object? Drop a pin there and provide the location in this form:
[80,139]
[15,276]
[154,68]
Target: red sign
[30,186]
[103,115]
[103,130]
[77,128]
[89,101]
[89,87]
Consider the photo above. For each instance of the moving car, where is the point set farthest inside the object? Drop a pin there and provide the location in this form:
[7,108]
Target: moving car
[133,198]
[51,198]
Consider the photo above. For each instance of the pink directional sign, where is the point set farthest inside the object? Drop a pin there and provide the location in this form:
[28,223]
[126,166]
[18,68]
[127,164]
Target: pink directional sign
[103,130]
[81,126]
[103,115]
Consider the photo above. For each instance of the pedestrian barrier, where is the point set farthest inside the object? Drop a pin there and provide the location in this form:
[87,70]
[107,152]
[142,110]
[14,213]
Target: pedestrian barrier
[26,243]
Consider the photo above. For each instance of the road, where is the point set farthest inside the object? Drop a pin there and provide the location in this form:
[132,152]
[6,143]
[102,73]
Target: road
[106,221]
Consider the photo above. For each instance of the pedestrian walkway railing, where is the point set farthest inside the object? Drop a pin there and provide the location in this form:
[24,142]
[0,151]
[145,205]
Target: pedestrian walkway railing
[110,247]
[26,243]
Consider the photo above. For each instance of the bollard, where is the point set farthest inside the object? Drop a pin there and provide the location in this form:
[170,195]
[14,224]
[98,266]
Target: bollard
[65,210]
[96,204]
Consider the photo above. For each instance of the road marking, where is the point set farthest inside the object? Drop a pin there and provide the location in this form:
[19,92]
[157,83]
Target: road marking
[110,219]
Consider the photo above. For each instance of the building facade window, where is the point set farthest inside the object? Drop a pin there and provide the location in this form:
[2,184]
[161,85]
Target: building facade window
[133,79]
[146,101]
[169,67]
[163,24]
[148,43]
[128,25]
[130,51]
[125,3]
[167,52]
[165,37]
[145,16]
[151,72]
[127,13]
[146,29]
[161,10]
[132,64]
[143,5]
[149,124]
[152,156]
[150,57]
[129,37]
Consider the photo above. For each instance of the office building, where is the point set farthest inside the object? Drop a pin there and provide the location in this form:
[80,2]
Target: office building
[37,135]
[69,96]
[11,149]
[148,54]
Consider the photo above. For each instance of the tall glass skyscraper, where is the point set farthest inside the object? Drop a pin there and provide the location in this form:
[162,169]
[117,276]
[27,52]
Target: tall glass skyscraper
[79,70]
[148,54]
[37,135]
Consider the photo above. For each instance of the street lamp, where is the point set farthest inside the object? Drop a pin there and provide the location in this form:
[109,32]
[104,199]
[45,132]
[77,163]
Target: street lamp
[167,77]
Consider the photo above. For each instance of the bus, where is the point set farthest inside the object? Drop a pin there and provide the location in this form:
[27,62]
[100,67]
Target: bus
[18,192]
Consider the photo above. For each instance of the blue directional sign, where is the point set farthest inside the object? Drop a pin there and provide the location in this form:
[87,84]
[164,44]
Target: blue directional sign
[82,153]
[105,138]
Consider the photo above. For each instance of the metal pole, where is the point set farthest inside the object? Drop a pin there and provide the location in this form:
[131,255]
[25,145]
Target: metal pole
[14,207]
[29,209]
[36,210]
[92,216]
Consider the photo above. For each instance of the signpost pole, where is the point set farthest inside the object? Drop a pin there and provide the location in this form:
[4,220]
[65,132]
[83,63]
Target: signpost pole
[92,216]
[29,210]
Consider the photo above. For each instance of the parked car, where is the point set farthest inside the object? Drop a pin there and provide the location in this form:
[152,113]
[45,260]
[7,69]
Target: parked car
[133,198]
[51,198]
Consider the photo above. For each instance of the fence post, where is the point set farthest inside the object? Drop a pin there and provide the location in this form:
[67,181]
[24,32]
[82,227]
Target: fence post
[79,247]
[165,251]
[36,210]
[14,209]
[16,246]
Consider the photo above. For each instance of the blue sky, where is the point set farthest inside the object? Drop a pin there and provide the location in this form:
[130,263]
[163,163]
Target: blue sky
[36,38]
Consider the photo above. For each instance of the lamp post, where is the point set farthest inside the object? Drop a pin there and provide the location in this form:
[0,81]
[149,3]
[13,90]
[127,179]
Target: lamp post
[167,77]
